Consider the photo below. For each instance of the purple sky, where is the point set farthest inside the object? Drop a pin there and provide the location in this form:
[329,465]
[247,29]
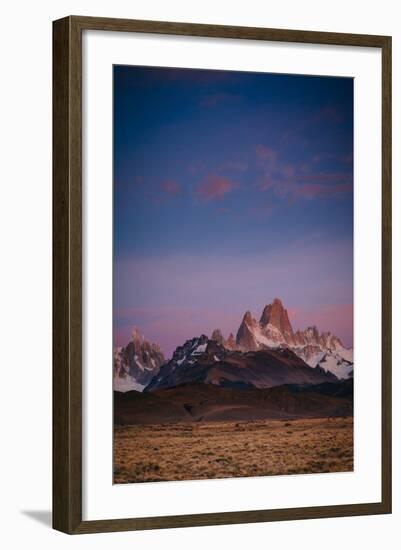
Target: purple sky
[230,189]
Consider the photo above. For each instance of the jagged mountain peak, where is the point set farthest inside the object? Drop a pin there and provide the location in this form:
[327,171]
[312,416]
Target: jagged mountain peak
[141,363]
[246,333]
[274,330]
[230,343]
[276,305]
[276,316]
[312,330]
[136,335]
[135,364]
[217,336]
[187,358]
[248,318]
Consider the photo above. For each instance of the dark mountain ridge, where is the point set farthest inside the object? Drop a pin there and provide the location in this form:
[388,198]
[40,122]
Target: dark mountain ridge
[207,402]
[206,361]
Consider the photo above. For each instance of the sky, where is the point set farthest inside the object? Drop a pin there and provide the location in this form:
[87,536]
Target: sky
[230,189]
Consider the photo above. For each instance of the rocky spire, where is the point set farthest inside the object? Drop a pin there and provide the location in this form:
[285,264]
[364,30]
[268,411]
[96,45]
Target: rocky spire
[276,315]
[136,363]
[217,336]
[245,334]
[230,343]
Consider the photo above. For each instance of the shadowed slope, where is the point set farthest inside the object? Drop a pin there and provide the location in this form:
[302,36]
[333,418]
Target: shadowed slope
[205,402]
[215,365]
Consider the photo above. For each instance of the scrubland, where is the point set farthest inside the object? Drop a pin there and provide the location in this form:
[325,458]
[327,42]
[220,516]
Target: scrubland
[207,450]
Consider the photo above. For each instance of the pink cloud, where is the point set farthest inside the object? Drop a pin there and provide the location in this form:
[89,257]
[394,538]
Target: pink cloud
[171,187]
[215,187]
[320,186]
[317,190]
[345,159]
[200,167]
[293,182]
[288,171]
[266,153]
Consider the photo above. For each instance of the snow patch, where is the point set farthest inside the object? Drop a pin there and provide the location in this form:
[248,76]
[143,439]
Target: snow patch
[335,364]
[262,339]
[347,354]
[200,349]
[312,361]
[126,383]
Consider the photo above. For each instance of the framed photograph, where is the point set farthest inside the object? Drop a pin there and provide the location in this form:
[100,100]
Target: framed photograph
[222,274]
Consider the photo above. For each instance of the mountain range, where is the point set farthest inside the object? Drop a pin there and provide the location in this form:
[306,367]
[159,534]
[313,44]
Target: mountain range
[266,371]
[264,354]
[274,331]
[205,361]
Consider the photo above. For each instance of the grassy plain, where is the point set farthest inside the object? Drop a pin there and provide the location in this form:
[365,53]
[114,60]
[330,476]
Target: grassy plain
[208,450]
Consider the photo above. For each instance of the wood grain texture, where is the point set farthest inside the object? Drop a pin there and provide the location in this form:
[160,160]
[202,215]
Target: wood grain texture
[225,31]
[67,274]
[67,277]
[229,518]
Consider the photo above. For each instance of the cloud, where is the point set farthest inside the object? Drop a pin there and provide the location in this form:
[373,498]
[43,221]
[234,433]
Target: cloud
[327,116]
[200,167]
[293,182]
[319,190]
[171,187]
[322,157]
[293,188]
[266,153]
[215,187]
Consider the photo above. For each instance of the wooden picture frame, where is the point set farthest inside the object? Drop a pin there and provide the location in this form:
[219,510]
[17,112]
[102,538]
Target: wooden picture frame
[67,274]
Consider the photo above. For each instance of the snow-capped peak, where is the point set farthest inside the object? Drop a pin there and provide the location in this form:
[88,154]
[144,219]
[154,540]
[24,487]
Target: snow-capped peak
[274,330]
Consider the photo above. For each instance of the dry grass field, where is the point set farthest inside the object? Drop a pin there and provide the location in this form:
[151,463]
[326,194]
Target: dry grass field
[167,452]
